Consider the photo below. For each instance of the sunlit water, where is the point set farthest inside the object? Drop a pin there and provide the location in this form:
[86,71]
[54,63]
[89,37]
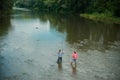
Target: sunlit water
[29,44]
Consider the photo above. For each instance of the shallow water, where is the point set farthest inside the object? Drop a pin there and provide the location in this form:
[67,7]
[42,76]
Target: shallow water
[29,44]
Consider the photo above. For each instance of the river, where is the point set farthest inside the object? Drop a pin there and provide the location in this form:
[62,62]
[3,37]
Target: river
[29,44]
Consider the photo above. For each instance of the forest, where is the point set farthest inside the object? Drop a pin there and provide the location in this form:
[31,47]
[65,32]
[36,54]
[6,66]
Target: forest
[109,7]
[5,7]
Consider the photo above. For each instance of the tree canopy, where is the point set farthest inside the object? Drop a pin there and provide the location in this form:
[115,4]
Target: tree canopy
[110,7]
[5,6]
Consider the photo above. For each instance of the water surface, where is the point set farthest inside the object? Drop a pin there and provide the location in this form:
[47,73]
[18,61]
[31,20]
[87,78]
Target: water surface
[29,44]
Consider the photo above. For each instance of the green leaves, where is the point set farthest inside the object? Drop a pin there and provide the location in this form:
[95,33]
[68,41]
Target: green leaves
[110,7]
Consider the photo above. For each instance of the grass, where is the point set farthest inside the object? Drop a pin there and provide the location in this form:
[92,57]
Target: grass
[102,17]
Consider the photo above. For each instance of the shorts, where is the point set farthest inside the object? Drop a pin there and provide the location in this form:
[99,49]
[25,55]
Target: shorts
[73,60]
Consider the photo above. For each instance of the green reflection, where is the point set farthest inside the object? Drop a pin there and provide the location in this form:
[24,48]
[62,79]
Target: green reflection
[4,26]
[84,32]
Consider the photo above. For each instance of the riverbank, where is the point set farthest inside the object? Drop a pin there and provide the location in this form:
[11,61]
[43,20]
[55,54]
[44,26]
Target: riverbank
[102,17]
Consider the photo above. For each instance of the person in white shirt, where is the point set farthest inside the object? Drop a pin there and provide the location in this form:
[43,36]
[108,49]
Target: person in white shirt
[60,53]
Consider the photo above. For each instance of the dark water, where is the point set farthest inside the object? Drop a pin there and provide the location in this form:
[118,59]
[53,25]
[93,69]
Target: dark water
[29,44]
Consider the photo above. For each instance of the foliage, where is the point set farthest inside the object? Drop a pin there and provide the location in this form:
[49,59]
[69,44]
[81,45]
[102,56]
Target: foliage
[102,17]
[5,7]
[78,6]
[110,7]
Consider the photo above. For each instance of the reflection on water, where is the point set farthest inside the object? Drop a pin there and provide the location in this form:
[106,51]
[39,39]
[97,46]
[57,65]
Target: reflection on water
[78,30]
[4,29]
[74,71]
[84,33]
[29,45]
[4,26]
[60,66]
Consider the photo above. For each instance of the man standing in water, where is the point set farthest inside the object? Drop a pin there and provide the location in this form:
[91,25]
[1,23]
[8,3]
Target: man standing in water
[74,58]
[60,53]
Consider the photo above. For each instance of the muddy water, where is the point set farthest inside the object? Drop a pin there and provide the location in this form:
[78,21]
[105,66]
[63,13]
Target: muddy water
[29,44]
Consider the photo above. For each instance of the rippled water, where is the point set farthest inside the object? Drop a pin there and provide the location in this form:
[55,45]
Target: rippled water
[29,44]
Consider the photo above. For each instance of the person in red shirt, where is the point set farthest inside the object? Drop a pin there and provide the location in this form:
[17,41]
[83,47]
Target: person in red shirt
[74,57]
